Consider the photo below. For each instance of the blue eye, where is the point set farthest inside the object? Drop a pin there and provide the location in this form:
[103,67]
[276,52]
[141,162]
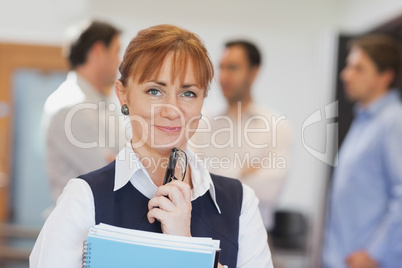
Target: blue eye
[154,92]
[189,94]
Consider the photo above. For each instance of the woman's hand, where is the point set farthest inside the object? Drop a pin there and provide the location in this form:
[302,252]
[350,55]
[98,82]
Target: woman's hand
[172,207]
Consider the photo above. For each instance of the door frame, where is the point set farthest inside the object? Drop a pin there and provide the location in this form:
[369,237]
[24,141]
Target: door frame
[13,57]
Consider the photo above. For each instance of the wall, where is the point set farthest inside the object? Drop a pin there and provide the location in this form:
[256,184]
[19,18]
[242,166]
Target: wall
[357,16]
[298,40]
[39,21]
[288,32]
[295,79]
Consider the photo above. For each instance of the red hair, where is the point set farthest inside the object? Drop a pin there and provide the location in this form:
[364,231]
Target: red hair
[146,52]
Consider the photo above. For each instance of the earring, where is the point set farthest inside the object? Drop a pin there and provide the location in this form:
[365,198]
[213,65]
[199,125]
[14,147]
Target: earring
[200,115]
[124,109]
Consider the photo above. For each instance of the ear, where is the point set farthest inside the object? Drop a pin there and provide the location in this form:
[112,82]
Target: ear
[121,92]
[97,50]
[387,77]
[254,72]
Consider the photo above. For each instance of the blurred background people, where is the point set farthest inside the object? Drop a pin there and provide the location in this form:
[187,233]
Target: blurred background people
[246,142]
[82,129]
[305,47]
[364,224]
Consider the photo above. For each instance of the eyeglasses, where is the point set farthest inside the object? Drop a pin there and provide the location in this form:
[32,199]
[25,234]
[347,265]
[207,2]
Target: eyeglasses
[177,166]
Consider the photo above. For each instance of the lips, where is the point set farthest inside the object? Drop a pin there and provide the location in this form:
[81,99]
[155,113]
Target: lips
[169,129]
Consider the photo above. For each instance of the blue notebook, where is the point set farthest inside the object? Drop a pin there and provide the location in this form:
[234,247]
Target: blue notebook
[109,246]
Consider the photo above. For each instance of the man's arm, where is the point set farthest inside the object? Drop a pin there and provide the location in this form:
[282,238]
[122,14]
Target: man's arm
[386,242]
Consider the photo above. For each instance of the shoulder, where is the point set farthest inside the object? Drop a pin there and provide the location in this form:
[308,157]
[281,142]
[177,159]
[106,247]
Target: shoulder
[78,190]
[393,110]
[225,182]
[234,187]
[391,117]
[228,190]
[64,97]
[250,200]
[241,197]
[100,177]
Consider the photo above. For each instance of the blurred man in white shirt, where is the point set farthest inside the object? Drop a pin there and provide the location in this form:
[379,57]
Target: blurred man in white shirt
[246,142]
[80,118]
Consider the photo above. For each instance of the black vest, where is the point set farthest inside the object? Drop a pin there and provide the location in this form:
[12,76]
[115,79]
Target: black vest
[128,208]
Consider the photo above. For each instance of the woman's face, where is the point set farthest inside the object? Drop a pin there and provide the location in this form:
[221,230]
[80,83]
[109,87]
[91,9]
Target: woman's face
[164,112]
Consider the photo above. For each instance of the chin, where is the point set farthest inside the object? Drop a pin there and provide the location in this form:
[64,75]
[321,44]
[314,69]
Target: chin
[163,150]
[161,143]
[350,95]
[353,97]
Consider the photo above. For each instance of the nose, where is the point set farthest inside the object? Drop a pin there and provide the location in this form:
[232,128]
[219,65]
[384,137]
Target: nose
[345,74]
[169,109]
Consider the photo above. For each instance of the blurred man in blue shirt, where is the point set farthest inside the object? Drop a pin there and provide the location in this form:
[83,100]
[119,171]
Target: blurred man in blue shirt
[364,224]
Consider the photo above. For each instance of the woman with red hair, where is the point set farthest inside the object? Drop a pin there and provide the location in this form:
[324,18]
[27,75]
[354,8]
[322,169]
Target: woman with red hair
[165,76]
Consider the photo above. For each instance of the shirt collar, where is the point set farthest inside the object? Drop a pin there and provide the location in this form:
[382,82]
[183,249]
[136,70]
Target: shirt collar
[130,169]
[374,108]
[250,110]
[90,92]
[127,164]
[201,178]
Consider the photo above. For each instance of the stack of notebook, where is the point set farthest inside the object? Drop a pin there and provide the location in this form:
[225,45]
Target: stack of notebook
[111,246]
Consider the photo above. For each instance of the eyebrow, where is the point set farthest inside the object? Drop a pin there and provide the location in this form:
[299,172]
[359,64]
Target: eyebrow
[158,82]
[189,85]
[164,84]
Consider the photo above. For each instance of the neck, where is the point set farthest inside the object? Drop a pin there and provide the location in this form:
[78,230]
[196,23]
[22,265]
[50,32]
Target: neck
[91,77]
[373,97]
[154,162]
[234,106]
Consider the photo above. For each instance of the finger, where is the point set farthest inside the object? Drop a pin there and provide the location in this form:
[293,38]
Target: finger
[156,214]
[151,218]
[161,202]
[184,189]
[173,193]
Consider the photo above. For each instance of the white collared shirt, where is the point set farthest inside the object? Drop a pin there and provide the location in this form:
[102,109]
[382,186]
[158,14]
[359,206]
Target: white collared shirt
[254,137]
[60,241]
